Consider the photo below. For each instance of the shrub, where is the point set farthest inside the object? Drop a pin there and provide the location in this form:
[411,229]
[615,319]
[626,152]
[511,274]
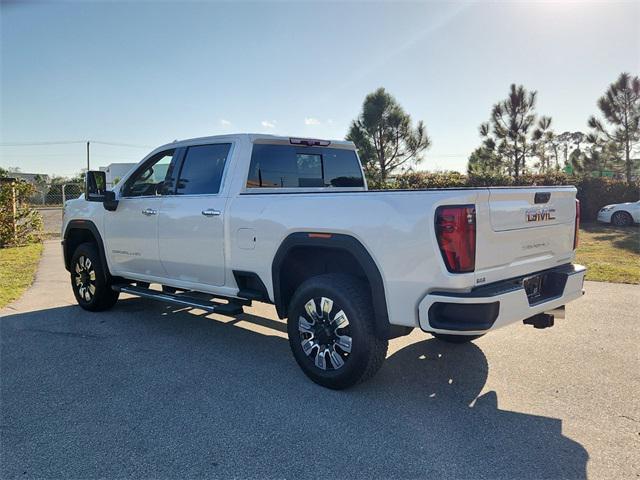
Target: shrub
[414,180]
[26,225]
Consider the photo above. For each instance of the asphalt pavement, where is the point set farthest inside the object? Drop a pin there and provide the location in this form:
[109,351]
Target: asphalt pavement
[147,390]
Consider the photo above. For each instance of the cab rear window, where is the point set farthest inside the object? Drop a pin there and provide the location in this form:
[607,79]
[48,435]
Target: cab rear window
[291,166]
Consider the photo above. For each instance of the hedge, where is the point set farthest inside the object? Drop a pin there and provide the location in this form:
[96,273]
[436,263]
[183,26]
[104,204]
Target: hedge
[593,192]
[19,223]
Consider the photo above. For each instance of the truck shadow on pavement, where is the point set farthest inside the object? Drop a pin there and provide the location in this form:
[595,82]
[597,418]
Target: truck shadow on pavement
[148,391]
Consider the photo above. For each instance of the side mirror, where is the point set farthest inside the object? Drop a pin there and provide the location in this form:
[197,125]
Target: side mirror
[96,190]
[110,203]
[95,186]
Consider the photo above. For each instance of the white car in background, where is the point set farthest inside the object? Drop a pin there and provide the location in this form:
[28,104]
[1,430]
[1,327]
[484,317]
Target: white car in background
[620,214]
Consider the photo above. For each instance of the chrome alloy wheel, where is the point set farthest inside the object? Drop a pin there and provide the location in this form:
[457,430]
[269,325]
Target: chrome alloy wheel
[325,338]
[85,278]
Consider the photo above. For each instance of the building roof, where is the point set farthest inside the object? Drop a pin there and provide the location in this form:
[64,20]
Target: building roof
[30,177]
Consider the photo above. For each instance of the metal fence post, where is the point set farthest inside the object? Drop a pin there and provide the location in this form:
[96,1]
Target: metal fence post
[63,195]
[15,213]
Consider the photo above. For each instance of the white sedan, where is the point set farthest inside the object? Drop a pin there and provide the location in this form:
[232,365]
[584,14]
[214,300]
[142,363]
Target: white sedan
[620,214]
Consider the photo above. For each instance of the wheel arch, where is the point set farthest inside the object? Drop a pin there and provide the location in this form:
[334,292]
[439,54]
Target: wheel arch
[626,212]
[78,232]
[323,247]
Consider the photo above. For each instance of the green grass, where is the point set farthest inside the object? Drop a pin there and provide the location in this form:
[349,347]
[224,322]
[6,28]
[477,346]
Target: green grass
[611,254]
[17,269]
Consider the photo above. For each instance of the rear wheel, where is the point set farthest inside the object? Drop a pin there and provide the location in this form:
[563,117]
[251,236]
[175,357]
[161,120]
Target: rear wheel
[331,331]
[622,219]
[89,279]
[455,338]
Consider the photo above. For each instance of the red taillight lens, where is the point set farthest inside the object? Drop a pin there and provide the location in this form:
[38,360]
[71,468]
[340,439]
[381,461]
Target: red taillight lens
[456,233]
[577,225]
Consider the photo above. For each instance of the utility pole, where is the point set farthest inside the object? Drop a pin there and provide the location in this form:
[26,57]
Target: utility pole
[88,166]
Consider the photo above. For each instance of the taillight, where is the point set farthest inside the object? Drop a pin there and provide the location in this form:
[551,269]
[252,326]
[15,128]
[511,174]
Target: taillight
[577,225]
[456,233]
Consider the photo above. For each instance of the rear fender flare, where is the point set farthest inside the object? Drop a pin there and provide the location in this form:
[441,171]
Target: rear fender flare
[341,242]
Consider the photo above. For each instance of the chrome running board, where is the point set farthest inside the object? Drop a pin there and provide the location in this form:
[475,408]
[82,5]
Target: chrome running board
[234,307]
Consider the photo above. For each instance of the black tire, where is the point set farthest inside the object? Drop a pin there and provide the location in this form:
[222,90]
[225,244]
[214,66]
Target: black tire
[455,338]
[365,352]
[89,281]
[622,219]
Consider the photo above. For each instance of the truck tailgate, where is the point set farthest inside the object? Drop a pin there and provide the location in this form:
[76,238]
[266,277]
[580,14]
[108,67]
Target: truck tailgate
[522,230]
[513,209]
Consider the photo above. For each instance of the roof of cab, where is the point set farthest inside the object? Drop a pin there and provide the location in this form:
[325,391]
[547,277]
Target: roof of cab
[252,137]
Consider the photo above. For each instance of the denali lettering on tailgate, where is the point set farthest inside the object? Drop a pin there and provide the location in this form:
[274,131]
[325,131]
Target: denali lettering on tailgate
[535,245]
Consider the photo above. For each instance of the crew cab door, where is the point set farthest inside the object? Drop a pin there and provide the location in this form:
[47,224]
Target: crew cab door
[191,222]
[132,229]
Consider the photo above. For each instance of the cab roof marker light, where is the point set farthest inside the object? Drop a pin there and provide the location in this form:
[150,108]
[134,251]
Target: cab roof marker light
[309,142]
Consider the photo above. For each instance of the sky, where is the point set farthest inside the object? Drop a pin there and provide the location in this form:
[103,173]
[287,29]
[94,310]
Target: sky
[146,73]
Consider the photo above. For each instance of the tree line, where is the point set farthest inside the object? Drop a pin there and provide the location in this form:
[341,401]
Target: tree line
[515,139]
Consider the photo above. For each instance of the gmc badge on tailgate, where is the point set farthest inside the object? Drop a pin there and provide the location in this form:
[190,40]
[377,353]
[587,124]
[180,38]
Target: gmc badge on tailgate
[540,214]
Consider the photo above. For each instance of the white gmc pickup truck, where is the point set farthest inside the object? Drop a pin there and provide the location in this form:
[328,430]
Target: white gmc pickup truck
[222,221]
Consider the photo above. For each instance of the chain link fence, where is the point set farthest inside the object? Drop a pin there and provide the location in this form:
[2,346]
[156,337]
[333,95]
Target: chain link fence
[55,194]
[48,200]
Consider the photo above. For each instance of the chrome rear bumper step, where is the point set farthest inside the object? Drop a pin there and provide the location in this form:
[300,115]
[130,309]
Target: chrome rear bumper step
[231,308]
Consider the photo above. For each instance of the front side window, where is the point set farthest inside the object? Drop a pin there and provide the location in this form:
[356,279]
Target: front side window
[154,178]
[202,169]
[292,166]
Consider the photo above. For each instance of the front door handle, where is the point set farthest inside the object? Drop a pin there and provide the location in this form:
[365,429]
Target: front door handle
[211,212]
[149,211]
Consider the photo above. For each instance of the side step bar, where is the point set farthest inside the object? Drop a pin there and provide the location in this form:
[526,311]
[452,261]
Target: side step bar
[231,308]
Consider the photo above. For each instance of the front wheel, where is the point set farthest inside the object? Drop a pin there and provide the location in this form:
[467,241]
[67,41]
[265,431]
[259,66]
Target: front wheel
[330,329]
[621,219]
[90,281]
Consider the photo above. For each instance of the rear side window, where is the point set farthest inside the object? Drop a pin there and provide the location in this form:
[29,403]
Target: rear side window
[292,166]
[202,169]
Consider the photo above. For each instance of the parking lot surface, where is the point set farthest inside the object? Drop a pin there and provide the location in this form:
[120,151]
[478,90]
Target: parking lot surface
[148,390]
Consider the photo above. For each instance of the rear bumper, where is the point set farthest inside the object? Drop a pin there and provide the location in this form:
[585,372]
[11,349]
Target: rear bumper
[498,304]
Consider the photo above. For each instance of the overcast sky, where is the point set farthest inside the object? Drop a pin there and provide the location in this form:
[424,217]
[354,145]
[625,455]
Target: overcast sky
[146,73]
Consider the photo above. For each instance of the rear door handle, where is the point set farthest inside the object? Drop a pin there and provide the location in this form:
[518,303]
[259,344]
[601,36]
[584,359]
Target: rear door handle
[149,211]
[211,212]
